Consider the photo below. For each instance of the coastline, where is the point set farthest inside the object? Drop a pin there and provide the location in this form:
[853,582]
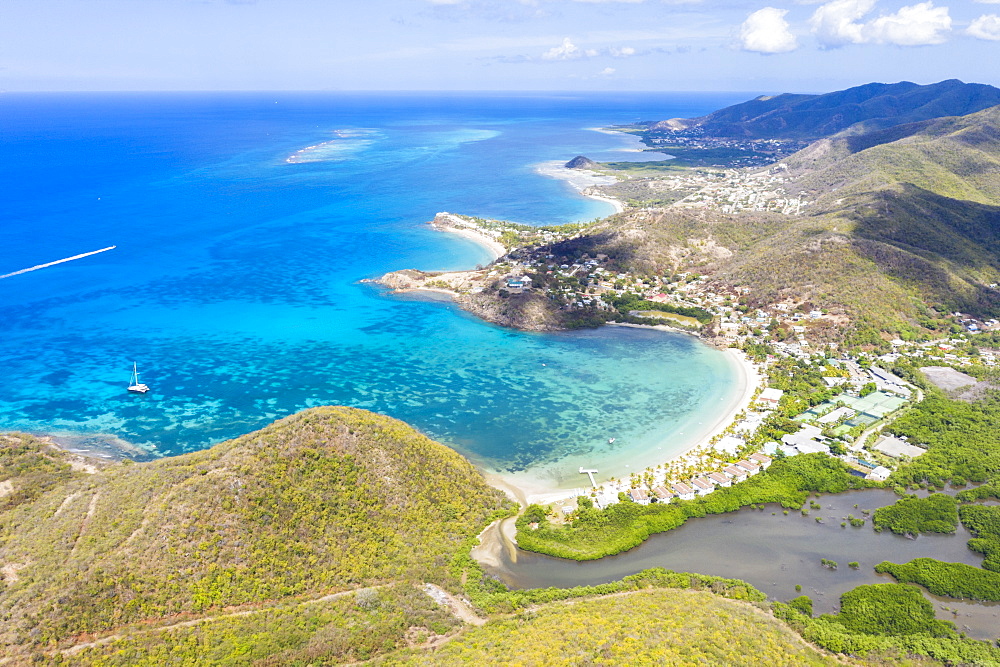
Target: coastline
[496,249]
[581,180]
[540,486]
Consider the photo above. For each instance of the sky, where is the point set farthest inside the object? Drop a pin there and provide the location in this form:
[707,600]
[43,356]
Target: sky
[526,45]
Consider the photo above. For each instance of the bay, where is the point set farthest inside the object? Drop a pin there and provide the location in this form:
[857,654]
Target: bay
[243,224]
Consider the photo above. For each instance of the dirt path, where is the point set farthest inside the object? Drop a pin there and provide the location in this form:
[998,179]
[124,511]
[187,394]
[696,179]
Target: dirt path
[459,608]
[73,650]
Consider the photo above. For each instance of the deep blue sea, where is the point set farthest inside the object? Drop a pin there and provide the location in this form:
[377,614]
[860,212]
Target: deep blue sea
[235,281]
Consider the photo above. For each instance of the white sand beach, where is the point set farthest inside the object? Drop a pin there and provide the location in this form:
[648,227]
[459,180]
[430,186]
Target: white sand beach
[562,481]
[496,248]
[581,180]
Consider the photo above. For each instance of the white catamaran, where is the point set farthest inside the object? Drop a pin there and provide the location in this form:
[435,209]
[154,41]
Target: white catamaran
[134,385]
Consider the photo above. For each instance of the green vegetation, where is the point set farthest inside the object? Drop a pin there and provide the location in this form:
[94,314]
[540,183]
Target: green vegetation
[597,533]
[29,468]
[250,521]
[493,597]
[890,610]
[630,302]
[984,522]
[938,513]
[644,628]
[961,439]
[357,626]
[955,580]
[888,624]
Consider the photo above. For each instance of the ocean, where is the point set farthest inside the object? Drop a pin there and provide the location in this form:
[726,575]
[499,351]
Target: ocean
[242,225]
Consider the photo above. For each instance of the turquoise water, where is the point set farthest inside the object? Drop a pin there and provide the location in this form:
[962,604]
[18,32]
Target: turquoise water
[243,225]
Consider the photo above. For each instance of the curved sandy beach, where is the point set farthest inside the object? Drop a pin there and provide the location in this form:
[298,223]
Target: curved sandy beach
[539,485]
[497,249]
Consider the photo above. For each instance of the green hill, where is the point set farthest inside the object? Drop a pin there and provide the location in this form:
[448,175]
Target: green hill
[871,106]
[328,500]
[658,627]
[902,227]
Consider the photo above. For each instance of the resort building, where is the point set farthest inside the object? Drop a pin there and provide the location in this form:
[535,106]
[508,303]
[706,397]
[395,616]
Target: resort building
[639,496]
[898,448]
[662,495]
[735,473]
[770,397]
[720,479]
[750,467]
[763,460]
[879,474]
[683,491]
[702,485]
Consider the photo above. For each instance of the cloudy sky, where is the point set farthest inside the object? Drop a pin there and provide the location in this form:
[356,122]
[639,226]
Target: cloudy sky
[699,45]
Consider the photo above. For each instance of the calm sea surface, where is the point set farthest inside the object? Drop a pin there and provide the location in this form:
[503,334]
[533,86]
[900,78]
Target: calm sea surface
[234,283]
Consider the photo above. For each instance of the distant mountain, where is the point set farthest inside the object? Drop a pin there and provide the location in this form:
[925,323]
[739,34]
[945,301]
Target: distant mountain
[864,108]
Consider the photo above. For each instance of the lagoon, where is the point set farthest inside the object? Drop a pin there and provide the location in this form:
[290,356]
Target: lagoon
[774,552]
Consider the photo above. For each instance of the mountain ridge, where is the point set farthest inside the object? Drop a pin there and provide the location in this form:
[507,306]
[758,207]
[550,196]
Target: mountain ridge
[865,108]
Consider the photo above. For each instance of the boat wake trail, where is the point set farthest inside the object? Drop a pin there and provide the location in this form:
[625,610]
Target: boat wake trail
[58,261]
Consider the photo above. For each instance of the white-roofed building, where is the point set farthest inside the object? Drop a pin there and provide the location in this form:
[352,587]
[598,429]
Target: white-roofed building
[880,474]
[898,448]
[771,396]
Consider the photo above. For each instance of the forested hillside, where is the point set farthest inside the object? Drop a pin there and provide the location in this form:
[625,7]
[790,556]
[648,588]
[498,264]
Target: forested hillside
[328,500]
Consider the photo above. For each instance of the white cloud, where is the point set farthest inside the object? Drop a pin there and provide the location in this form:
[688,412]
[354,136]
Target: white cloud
[622,52]
[570,51]
[836,23]
[608,71]
[565,51]
[766,31]
[985,27]
[912,26]
[839,22]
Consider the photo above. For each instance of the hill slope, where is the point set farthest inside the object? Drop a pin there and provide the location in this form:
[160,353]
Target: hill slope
[326,500]
[873,106]
[901,219]
[663,627]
